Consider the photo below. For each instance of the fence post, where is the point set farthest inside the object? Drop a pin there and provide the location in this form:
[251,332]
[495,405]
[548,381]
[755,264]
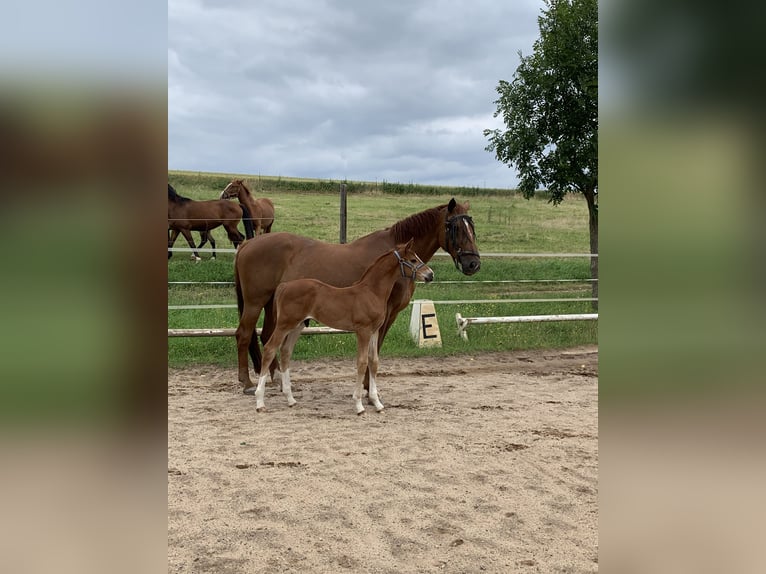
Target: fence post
[342,212]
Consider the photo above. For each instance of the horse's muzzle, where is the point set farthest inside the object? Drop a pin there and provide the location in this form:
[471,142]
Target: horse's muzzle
[428,277]
[470,264]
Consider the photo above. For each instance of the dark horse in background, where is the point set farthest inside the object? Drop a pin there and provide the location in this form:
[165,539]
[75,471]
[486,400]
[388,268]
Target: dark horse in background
[186,215]
[261,265]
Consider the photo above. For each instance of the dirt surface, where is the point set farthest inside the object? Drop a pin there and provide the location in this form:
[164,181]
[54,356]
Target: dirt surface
[484,463]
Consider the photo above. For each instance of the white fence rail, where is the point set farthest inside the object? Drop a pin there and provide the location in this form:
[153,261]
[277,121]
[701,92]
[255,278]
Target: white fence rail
[444,302]
[464,322]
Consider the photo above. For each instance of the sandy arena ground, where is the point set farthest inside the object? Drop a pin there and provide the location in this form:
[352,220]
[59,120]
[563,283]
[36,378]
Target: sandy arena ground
[483,463]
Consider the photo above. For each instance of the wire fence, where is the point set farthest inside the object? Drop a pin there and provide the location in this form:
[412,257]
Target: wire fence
[463,323]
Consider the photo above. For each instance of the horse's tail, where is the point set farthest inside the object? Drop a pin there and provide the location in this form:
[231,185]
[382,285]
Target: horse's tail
[247,219]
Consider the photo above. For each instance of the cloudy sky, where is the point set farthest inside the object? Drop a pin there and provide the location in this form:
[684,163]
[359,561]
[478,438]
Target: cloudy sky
[395,90]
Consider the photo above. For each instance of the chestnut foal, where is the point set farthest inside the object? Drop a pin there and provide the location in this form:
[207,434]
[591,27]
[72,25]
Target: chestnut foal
[360,308]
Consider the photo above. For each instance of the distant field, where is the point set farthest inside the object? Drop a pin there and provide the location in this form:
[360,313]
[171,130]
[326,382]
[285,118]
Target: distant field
[505,223]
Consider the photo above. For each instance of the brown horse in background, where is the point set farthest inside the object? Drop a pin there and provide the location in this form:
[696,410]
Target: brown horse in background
[360,308]
[186,215]
[260,266]
[261,209]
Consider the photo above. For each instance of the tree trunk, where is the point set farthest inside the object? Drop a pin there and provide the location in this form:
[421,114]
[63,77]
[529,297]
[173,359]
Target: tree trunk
[591,198]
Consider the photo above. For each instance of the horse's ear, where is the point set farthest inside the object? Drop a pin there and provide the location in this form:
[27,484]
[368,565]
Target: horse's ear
[452,205]
[403,247]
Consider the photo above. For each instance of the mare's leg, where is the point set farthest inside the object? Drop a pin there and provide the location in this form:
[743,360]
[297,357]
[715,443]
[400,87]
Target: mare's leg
[253,348]
[285,352]
[372,370]
[362,350]
[209,237]
[190,240]
[171,240]
[391,314]
[234,235]
[245,339]
[203,238]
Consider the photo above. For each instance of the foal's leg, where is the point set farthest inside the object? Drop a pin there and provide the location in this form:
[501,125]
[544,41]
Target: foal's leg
[269,352]
[245,335]
[362,350]
[285,352]
[372,349]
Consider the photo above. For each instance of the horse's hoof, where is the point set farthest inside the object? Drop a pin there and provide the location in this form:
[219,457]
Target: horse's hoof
[260,409]
[249,391]
[379,410]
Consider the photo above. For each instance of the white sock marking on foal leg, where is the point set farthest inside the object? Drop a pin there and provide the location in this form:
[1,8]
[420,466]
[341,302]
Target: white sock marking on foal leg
[260,391]
[374,399]
[287,388]
[358,394]
[372,366]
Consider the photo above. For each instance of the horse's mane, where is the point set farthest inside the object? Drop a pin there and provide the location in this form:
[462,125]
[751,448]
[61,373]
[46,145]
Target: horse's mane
[173,195]
[242,183]
[374,263]
[415,225]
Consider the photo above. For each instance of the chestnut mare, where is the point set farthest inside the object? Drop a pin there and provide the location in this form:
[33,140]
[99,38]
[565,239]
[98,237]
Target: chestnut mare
[260,266]
[261,209]
[186,215]
[360,308]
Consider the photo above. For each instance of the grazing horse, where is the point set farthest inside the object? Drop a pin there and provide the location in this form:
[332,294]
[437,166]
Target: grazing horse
[186,215]
[261,209]
[360,308]
[260,266]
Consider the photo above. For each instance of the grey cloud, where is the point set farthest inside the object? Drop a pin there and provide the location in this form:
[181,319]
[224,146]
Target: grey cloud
[388,90]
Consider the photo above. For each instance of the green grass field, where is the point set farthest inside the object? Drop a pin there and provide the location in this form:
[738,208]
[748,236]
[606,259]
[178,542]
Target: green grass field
[505,223]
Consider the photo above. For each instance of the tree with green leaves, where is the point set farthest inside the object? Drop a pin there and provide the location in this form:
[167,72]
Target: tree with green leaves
[550,111]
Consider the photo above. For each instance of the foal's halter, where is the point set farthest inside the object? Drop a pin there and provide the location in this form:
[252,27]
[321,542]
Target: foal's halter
[451,237]
[403,263]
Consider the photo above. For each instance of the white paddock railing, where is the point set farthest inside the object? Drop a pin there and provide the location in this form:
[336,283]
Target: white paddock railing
[444,302]
[464,322]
